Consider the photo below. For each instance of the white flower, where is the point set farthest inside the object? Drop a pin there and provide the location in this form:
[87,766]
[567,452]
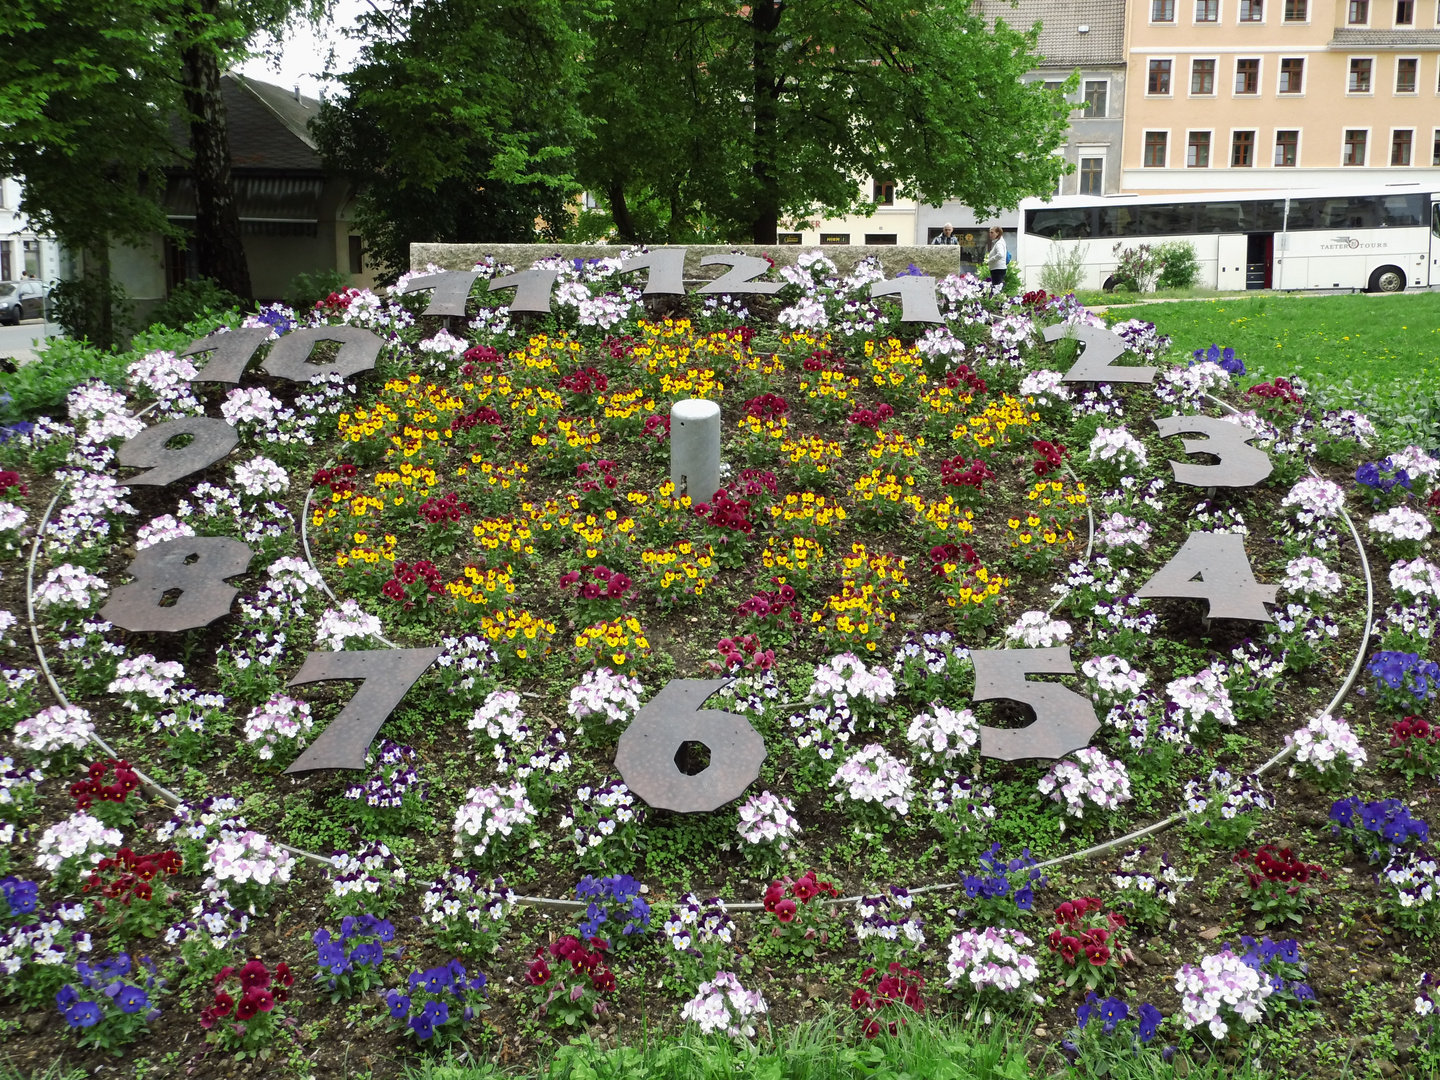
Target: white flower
[990,959]
[1036,630]
[80,837]
[350,621]
[845,679]
[1317,499]
[1200,695]
[261,476]
[281,719]
[249,405]
[1119,531]
[606,695]
[768,819]
[163,528]
[1118,446]
[489,812]
[723,1005]
[1417,577]
[1312,579]
[57,728]
[1324,742]
[1091,780]
[875,776]
[70,586]
[1417,463]
[445,343]
[1223,988]
[943,734]
[1045,387]
[1401,523]
[246,857]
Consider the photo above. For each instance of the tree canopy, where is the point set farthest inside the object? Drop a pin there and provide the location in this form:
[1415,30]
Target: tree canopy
[460,120]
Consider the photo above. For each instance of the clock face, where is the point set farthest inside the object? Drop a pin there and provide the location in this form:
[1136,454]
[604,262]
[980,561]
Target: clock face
[1011,578]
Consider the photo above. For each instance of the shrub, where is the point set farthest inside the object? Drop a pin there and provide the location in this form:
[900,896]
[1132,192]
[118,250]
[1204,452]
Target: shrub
[307,290]
[190,300]
[1136,268]
[1064,268]
[1178,265]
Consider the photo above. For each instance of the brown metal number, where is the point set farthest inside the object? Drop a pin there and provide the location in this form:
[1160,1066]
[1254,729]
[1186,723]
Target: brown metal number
[211,440]
[1214,567]
[387,675]
[189,571]
[1099,349]
[1240,465]
[1064,721]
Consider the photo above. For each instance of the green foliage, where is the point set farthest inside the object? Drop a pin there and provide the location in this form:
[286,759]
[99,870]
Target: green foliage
[819,1050]
[1178,265]
[460,127]
[306,290]
[191,300]
[1135,267]
[695,108]
[80,308]
[40,389]
[1064,267]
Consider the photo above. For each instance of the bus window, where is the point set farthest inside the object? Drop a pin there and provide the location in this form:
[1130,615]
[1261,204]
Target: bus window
[1070,223]
[1217,217]
[1435,218]
[1167,219]
[1402,210]
[1262,215]
[1338,212]
[1116,221]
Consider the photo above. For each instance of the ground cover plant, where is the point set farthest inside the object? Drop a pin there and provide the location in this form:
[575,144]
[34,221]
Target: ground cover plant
[895,496]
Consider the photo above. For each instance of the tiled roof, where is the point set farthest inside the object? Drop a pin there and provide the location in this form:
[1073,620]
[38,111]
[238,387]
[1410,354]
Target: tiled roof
[1349,38]
[1061,43]
[267,126]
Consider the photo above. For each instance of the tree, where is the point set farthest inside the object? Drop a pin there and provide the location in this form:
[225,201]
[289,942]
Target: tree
[779,107]
[86,125]
[459,121]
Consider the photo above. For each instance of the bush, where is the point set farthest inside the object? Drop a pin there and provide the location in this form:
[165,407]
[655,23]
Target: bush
[306,290]
[191,299]
[1063,269]
[79,307]
[1137,267]
[1178,265]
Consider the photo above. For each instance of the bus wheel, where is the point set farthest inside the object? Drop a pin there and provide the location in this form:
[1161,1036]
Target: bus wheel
[1387,279]
[1109,285]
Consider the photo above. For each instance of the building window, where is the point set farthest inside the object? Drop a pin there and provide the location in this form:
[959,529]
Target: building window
[1435,149]
[1292,75]
[1162,10]
[1354,153]
[1202,76]
[1407,75]
[1252,11]
[1401,143]
[1197,150]
[1359,13]
[7,270]
[1159,77]
[875,239]
[1247,76]
[1207,11]
[1242,149]
[32,257]
[1155,149]
[1297,10]
[1092,176]
[1287,149]
[883,192]
[1404,12]
[4,189]
[1095,95]
[1360,70]
[357,255]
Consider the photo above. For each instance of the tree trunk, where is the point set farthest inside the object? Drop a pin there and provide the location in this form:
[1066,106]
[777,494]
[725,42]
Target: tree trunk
[765,218]
[99,298]
[620,212]
[218,249]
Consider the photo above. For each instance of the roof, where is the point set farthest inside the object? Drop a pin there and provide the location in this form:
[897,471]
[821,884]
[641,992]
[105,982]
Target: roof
[267,126]
[1061,43]
[1348,38]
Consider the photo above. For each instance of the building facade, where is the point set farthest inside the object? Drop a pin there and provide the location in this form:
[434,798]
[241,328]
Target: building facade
[22,250]
[1236,94]
[1086,37]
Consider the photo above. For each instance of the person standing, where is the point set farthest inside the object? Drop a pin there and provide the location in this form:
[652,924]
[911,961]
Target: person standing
[996,257]
[946,236]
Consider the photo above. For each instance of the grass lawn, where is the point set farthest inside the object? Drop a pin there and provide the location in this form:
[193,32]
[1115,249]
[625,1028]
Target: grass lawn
[1378,354]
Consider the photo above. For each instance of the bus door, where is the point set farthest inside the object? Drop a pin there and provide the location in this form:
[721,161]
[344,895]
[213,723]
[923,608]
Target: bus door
[1435,244]
[1231,252]
[1259,260]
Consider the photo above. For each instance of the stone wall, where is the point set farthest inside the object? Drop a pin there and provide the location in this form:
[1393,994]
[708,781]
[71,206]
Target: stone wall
[935,261]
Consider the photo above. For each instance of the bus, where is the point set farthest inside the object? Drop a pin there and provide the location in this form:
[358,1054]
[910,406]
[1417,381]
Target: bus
[1381,239]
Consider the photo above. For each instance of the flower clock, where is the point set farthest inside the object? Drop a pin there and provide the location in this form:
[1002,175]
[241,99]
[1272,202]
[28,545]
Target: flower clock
[402,613]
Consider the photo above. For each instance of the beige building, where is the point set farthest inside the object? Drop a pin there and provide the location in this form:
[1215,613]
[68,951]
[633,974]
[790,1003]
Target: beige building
[1246,94]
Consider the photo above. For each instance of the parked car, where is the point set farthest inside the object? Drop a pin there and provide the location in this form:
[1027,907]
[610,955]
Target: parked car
[22,300]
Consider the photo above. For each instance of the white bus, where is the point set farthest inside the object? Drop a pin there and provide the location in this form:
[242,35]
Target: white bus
[1383,238]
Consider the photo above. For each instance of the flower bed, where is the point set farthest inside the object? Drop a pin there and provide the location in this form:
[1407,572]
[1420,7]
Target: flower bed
[499,491]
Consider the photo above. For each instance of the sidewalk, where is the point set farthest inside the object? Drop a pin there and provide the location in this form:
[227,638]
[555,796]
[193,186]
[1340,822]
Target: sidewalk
[23,344]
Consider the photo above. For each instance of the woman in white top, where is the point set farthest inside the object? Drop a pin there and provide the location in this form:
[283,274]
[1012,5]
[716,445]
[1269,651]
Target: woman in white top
[996,257]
